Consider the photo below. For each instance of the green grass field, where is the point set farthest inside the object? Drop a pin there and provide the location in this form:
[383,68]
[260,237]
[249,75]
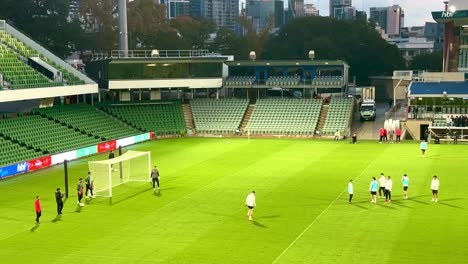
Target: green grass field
[302,214]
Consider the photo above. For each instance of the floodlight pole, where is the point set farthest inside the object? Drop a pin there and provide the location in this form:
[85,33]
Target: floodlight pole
[123,36]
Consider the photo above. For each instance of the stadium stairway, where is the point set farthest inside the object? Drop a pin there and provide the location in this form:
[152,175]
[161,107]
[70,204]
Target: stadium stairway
[247,116]
[323,117]
[188,118]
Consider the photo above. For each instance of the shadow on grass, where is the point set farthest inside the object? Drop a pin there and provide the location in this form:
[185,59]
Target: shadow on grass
[78,209]
[400,203]
[34,227]
[359,206]
[57,218]
[125,198]
[256,223]
[269,216]
[386,205]
[157,193]
[450,205]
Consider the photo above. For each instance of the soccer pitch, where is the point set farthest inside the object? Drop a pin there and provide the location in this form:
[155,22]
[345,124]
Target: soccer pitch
[302,213]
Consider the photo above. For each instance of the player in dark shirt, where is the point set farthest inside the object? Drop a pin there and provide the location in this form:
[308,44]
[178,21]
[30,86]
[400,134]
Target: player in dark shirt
[58,199]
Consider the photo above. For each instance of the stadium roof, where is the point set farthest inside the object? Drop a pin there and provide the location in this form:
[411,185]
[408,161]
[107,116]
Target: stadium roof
[286,63]
[168,60]
[459,17]
[437,89]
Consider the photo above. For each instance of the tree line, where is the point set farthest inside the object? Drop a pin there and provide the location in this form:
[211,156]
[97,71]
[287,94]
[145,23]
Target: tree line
[96,30]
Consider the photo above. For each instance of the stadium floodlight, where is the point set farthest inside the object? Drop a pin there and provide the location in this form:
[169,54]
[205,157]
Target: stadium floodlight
[154,53]
[312,54]
[444,94]
[453,9]
[130,166]
[252,55]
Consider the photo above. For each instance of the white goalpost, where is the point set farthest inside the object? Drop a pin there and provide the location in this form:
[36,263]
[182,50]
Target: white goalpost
[130,166]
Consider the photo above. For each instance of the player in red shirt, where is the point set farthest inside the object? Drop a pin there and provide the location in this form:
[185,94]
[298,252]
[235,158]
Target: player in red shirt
[381,135]
[37,205]
[398,134]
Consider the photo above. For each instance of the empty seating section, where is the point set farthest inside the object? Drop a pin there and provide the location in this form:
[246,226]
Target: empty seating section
[11,153]
[163,118]
[283,80]
[22,49]
[89,120]
[44,135]
[338,116]
[285,116]
[218,116]
[439,122]
[18,74]
[240,80]
[328,81]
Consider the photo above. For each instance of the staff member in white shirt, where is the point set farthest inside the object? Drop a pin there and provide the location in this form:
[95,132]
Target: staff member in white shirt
[388,189]
[250,203]
[382,181]
[435,189]
[350,190]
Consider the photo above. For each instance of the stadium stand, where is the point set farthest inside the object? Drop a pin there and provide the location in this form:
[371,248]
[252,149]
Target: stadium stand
[327,81]
[164,118]
[11,152]
[89,120]
[41,134]
[283,80]
[285,116]
[18,75]
[218,116]
[240,80]
[338,116]
[14,53]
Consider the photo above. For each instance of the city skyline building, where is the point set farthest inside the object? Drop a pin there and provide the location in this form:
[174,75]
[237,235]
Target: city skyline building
[390,19]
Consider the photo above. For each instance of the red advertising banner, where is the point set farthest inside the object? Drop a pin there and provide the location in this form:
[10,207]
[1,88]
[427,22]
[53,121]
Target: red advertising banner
[39,163]
[107,146]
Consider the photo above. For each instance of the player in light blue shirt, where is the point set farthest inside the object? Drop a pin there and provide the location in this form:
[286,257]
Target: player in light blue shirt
[374,186]
[405,181]
[423,148]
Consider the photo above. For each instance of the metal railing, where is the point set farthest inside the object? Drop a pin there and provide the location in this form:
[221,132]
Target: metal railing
[159,53]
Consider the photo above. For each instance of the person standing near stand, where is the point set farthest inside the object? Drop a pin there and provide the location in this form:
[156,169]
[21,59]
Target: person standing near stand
[58,199]
[37,206]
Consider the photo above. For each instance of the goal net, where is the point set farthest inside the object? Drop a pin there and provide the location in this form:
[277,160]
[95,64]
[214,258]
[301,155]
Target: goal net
[130,166]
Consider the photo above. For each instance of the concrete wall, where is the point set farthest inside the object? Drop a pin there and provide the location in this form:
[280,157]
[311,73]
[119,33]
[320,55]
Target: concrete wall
[414,127]
[384,88]
[443,76]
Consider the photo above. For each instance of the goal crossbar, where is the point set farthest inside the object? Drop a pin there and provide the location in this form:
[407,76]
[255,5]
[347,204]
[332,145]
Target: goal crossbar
[126,156]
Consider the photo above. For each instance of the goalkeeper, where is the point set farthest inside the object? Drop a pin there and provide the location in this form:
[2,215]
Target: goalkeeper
[155,177]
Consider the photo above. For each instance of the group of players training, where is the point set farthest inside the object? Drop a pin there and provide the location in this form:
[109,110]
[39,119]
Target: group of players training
[385,185]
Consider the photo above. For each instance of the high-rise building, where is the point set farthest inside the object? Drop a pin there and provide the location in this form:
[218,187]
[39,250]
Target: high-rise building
[390,18]
[340,8]
[176,8]
[224,13]
[311,10]
[263,12]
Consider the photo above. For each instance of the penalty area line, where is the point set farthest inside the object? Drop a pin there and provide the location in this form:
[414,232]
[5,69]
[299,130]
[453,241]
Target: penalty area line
[318,217]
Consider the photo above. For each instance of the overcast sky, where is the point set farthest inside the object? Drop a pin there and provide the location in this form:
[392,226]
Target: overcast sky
[417,12]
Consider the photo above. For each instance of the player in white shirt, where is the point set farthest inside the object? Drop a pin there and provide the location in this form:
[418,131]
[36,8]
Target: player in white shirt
[350,190]
[423,147]
[382,181]
[250,203]
[388,189]
[435,189]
